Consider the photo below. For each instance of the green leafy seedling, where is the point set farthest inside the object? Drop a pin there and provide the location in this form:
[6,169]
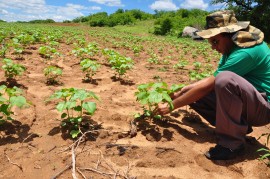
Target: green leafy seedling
[73,103]
[12,69]
[266,155]
[10,97]
[151,94]
[89,67]
[52,73]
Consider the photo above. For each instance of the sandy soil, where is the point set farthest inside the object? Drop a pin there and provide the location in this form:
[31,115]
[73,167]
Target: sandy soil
[34,145]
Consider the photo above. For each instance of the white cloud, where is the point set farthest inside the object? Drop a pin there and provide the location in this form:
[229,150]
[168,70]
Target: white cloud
[190,4]
[76,6]
[2,11]
[108,2]
[21,4]
[20,10]
[166,5]
[95,8]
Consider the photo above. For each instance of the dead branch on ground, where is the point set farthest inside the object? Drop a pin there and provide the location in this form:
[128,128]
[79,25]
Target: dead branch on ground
[13,162]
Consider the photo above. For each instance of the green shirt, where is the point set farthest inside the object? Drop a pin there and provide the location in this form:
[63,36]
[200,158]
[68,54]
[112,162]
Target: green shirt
[252,63]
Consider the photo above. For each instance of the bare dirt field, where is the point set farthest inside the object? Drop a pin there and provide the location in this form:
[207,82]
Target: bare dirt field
[34,146]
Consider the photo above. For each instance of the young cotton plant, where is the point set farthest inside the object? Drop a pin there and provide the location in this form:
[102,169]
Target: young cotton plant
[86,52]
[10,97]
[73,104]
[12,69]
[151,94]
[121,64]
[118,62]
[266,156]
[3,50]
[52,74]
[47,51]
[89,67]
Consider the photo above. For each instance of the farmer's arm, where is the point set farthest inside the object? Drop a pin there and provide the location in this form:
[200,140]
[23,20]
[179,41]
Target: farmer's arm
[187,88]
[189,95]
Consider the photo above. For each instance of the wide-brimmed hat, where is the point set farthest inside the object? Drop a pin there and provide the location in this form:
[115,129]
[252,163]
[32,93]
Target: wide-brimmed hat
[226,22]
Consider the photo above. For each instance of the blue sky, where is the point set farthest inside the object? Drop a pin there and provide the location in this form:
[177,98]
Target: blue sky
[59,10]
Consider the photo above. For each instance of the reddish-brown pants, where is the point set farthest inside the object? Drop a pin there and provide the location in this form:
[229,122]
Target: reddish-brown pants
[233,106]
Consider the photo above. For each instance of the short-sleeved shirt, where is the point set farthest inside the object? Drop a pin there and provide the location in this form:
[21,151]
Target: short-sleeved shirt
[252,63]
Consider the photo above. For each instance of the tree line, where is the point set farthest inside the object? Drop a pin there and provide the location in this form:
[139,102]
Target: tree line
[173,22]
[166,22]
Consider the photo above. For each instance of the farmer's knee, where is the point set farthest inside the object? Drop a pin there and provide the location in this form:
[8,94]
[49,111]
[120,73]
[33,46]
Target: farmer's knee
[224,79]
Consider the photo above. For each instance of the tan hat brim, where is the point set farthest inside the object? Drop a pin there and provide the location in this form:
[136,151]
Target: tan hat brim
[227,29]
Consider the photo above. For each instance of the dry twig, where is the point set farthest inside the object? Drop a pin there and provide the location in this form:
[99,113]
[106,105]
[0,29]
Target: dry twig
[13,162]
[80,172]
[61,172]
[27,138]
[99,172]
[99,162]
[73,163]
[78,141]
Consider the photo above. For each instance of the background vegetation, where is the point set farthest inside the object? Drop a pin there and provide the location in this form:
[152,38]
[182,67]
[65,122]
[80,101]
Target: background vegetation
[173,22]
[162,22]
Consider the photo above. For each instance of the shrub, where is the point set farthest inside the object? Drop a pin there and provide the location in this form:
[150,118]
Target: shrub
[163,27]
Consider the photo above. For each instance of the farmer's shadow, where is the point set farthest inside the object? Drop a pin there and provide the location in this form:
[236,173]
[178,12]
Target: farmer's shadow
[207,133]
[15,132]
[202,132]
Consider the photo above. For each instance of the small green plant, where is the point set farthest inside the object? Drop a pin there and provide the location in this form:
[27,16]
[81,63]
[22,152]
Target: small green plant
[137,49]
[74,103]
[10,97]
[52,74]
[90,50]
[197,65]
[89,67]
[121,64]
[3,50]
[266,155]
[18,47]
[151,94]
[118,62]
[180,65]
[153,59]
[47,51]
[12,69]
[195,75]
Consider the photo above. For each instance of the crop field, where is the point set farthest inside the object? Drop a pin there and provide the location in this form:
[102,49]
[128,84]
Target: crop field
[78,101]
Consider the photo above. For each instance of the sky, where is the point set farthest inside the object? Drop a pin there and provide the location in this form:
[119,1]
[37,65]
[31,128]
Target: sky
[60,10]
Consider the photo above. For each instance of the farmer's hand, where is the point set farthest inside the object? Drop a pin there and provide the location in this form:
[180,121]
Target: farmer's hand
[185,89]
[181,92]
[162,109]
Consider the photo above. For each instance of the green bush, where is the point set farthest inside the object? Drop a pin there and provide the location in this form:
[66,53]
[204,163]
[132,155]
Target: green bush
[164,26]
